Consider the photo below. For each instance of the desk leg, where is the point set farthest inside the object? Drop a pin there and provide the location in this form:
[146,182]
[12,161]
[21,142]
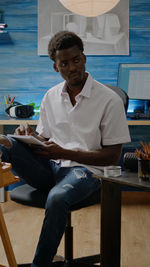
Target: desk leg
[2,194]
[6,242]
[1,129]
[2,190]
[110,224]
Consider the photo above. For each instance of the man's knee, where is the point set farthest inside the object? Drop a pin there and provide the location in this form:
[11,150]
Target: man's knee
[56,198]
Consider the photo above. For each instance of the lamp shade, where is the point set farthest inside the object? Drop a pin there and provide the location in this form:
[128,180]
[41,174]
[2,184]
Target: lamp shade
[89,8]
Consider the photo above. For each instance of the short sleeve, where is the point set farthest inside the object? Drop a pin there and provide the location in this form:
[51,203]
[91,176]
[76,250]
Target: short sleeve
[114,127]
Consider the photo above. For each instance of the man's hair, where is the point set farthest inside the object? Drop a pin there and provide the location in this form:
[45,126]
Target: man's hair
[63,40]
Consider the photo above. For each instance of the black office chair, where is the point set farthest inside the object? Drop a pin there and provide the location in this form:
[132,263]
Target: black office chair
[27,195]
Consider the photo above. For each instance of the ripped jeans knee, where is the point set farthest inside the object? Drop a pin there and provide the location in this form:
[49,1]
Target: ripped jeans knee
[74,184]
[79,173]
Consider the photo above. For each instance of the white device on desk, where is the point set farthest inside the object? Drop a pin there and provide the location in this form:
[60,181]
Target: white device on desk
[17,110]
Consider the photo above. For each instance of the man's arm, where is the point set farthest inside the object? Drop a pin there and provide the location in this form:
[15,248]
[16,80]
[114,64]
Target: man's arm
[108,155]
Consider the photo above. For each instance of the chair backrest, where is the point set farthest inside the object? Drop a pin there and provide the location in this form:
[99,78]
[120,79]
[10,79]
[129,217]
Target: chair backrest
[121,93]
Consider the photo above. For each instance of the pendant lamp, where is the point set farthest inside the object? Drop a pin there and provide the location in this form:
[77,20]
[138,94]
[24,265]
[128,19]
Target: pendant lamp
[89,8]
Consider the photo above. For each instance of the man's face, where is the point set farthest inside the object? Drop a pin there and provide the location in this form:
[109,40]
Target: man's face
[71,65]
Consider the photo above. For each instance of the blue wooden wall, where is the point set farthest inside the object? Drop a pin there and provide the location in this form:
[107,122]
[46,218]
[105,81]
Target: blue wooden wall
[25,74]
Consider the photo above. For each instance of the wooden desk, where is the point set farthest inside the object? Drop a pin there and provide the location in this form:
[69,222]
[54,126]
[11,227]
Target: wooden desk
[7,120]
[111,215]
[138,122]
[6,178]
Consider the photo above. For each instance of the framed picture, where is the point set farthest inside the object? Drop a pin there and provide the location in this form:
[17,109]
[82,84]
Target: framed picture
[106,34]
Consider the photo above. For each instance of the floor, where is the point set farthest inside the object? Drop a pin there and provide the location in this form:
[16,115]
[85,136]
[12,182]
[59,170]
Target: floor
[24,224]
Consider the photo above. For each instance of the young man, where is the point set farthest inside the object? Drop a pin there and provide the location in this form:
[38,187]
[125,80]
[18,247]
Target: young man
[83,125]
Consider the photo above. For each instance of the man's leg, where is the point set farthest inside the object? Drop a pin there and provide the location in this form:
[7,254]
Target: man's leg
[35,171]
[73,185]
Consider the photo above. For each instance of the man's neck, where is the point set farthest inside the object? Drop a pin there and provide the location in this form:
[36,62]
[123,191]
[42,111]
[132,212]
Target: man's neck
[73,91]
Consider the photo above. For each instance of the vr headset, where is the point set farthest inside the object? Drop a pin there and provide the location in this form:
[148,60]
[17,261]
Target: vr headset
[18,110]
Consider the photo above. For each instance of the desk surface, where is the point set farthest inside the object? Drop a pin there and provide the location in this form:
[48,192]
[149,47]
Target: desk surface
[7,120]
[129,179]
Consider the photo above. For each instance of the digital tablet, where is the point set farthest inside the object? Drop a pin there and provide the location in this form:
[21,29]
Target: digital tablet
[28,139]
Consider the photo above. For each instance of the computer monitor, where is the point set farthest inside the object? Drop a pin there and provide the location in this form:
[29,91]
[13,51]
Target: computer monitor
[134,79]
[138,109]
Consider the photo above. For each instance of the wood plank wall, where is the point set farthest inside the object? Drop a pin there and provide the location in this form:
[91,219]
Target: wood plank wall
[25,74]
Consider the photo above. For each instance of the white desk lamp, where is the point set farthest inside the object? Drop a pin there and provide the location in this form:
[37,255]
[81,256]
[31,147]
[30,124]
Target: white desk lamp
[89,8]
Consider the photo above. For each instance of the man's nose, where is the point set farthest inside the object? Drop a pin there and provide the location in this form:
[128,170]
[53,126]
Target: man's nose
[72,66]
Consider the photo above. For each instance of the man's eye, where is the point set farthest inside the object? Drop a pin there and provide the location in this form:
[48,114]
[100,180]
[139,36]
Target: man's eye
[76,60]
[63,64]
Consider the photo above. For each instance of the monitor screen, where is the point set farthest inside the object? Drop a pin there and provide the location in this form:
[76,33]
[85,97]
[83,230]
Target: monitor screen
[138,109]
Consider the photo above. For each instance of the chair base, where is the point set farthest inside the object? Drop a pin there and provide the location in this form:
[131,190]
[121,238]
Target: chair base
[89,261]
[27,195]
[57,259]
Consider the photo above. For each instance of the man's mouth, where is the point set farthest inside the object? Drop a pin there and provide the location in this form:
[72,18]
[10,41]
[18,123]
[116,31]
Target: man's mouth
[73,75]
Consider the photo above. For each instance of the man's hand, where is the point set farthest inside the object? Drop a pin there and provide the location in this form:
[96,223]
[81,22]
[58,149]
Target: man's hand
[50,151]
[25,129]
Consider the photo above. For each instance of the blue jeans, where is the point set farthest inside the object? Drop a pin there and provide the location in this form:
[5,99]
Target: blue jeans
[66,186]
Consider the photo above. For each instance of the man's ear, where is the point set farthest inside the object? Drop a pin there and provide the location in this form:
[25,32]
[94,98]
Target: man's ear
[55,67]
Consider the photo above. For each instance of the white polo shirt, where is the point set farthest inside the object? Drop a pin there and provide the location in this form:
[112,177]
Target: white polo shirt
[97,119]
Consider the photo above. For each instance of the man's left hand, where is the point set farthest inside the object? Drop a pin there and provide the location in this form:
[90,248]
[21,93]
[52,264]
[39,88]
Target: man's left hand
[51,150]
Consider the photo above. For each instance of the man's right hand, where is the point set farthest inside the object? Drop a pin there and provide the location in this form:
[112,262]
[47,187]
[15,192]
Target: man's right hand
[25,129]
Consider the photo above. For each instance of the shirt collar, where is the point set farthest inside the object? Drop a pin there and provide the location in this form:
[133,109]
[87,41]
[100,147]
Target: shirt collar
[86,90]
